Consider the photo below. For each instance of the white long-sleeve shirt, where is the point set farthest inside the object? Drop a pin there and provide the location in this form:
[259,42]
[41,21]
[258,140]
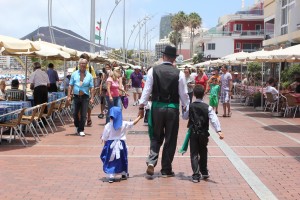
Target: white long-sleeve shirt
[109,133]
[182,89]
[213,118]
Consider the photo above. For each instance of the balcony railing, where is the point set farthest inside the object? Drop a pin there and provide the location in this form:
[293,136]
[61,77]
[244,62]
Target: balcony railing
[251,12]
[236,33]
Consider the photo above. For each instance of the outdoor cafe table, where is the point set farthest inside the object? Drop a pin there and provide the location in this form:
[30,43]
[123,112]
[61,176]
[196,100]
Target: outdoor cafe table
[3,109]
[9,106]
[55,95]
[52,96]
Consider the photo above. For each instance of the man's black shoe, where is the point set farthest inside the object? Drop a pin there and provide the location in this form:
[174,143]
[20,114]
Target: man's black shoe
[205,174]
[196,178]
[167,174]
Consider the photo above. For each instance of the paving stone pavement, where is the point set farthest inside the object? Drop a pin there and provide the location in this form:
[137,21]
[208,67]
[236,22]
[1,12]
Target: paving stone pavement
[258,159]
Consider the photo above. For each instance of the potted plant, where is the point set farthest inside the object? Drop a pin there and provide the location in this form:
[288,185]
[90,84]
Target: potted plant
[257,100]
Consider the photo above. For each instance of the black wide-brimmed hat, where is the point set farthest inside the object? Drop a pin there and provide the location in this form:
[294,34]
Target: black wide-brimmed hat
[170,51]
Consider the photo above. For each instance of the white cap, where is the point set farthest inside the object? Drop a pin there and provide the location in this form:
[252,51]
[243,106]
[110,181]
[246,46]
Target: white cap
[137,67]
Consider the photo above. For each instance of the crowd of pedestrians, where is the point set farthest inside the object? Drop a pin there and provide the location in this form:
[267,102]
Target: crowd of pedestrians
[168,90]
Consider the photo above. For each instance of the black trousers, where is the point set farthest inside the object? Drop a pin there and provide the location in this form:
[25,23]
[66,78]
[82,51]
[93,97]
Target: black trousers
[81,104]
[198,153]
[53,87]
[40,95]
[165,129]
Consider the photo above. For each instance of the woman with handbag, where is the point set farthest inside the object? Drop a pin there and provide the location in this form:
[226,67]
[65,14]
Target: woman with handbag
[114,85]
[103,90]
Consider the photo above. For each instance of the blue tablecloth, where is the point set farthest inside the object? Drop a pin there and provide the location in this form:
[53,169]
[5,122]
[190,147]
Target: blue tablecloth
[58,95]
[52,96]
[9,106]
[3,109]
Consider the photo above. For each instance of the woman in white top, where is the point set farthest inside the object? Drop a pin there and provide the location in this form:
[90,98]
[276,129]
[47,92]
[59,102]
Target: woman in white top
[270,88]
[2,90]
[190,81]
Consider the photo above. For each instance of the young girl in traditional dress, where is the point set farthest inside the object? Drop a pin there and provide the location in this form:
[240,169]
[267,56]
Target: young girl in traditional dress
[214,95]
[114,153]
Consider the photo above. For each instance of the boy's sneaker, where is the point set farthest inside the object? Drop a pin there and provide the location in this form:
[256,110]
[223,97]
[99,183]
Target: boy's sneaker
[111,180]
[150,169]
[166,175]
[205,174]
[124,176]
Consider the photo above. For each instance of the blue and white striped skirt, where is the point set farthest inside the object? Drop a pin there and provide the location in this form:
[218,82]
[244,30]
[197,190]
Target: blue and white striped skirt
[114,157]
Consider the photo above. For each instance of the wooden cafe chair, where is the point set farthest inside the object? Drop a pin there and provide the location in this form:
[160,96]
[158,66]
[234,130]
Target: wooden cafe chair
[15,127]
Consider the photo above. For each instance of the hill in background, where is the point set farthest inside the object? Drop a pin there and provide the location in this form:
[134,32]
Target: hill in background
[62,38]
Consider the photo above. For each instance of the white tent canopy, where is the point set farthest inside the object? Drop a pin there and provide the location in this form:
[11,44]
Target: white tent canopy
[9,45]
[290,54]
[48,50]
[235,56]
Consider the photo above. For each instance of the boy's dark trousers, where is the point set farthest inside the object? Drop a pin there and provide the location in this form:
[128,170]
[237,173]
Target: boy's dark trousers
[198,147]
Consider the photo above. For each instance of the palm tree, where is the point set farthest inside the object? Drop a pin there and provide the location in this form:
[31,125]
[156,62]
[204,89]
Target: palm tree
[178,22]
[194,21]
[173,39]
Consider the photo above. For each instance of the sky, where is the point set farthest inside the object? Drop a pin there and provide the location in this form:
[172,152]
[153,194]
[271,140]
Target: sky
[20,17]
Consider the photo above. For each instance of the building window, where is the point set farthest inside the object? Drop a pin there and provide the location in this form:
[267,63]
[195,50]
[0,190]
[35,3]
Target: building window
[238,45]
[257,27]
[211,46]
[238,27]
[250,47]
[286,7]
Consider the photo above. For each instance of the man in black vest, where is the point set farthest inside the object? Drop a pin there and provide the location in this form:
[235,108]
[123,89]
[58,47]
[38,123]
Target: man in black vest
[167,85]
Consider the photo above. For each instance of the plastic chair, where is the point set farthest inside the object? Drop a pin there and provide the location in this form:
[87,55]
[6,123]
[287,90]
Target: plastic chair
[270,102]
[66,109]
[28,122]
[57,110]
[15,125]
[15,95]
[38,118]
[48,116]
[291,104]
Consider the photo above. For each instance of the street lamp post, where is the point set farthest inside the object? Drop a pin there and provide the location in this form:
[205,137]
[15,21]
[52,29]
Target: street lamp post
[92,27]
[117,3]
[145,38]
[134,26]
[140,26]
[149,51]
[124,59]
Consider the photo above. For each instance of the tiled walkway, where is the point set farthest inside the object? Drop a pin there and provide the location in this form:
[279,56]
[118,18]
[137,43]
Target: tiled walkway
[258,159]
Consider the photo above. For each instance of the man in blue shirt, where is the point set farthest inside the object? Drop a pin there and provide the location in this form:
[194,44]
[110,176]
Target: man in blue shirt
[82,85]
[53,78]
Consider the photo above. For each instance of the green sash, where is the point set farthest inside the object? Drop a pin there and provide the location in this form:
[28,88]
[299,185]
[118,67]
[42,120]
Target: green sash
[185,144]
[156,104]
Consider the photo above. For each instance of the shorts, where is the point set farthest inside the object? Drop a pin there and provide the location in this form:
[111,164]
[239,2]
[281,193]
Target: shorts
[225,98]
[137,90]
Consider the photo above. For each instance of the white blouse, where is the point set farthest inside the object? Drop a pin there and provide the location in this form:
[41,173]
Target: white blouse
[110,133]
[2,94]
